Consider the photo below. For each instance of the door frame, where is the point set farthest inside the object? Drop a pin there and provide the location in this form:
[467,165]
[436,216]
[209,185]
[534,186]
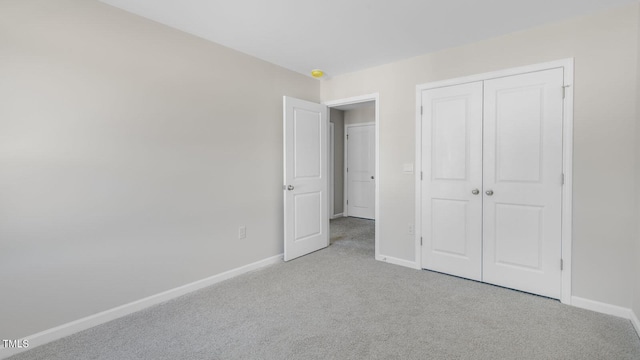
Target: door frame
[332,180]
[567,157]
[375,97]
[345,192]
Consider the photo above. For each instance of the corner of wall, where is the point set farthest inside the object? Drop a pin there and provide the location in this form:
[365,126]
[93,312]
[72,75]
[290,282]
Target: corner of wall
[635,307]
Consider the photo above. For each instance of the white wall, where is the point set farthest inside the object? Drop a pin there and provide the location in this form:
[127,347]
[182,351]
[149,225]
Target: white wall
[604,47]
[636,302]
[129,155]
[363,113]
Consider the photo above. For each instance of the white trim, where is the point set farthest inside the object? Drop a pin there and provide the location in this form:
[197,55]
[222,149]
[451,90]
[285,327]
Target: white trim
[608,309]
[567,190]
[567,154]
[635,322]
[73,327]
[601,307]
[417,169]
[355,100]
[498,74]
[337,216]
[396,261]
[345,182]
[332,177]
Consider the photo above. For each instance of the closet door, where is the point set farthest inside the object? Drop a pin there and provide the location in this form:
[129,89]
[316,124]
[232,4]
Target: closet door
[523,182]
[452,180]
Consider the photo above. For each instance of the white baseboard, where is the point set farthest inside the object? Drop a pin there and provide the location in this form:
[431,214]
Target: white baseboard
[607,309]
[635,322]
[73,327]
[601,307]
[335,216]
[396,261]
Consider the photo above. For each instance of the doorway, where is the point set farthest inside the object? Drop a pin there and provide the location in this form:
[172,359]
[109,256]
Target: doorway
[307,177]
[355,159]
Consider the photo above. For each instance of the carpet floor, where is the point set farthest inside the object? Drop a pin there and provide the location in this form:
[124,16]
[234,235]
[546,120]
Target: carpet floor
[339,303]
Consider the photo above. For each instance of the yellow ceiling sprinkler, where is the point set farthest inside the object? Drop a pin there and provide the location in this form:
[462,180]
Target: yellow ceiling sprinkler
[317,73]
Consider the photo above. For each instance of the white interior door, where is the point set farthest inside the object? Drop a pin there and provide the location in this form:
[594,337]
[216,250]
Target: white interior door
[361,163]
[452,180]
[306,218]
[523,182]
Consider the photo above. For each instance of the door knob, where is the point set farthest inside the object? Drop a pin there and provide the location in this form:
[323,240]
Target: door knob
[372,177]
[475,191]
[489,192]
[290,187]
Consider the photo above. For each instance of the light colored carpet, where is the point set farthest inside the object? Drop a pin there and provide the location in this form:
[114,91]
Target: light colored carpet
[339,303]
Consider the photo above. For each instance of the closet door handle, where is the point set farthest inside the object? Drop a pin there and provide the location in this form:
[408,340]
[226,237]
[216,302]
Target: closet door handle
[489,192]
[475,191]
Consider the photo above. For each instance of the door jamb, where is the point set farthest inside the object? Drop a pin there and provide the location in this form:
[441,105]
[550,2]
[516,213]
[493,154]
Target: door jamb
[332,180]
[567,157]
[375,97]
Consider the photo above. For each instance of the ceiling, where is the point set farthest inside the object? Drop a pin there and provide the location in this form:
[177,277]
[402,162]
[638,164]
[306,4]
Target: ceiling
[340,36]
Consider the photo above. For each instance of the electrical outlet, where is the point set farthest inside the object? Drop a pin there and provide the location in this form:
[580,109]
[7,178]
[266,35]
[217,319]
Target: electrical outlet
[411,229]
[242,232]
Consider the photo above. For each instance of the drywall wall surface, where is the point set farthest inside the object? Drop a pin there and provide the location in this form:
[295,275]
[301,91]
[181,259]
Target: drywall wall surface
[636,286]
[604,47]
[363,113]
[337,117]
[130,153]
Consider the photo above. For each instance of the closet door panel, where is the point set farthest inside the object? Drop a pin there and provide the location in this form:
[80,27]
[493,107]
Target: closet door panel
[522,166]
[452,169]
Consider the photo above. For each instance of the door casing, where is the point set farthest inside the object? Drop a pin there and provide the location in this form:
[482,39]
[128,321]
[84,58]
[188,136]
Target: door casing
[375,97]
[331,161]
[567,156]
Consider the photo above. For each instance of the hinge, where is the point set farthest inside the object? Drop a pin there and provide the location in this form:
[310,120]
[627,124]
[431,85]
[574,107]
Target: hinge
[420,240]
[421,109]
[347,202]
[561,264]
[421,175]
[347,169]
[564,90]
[347,136]
[562,178]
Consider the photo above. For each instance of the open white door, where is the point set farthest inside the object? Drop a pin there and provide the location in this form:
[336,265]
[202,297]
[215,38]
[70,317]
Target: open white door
[306,220]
